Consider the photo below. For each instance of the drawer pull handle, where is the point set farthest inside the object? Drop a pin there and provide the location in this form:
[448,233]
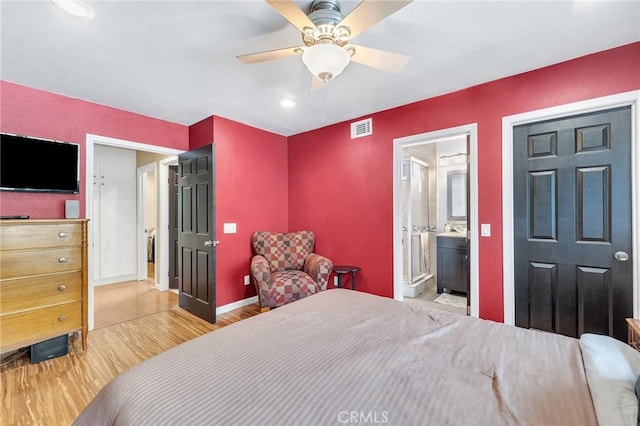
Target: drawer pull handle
[62,260]
[62,235]
[62,287]
[62,318]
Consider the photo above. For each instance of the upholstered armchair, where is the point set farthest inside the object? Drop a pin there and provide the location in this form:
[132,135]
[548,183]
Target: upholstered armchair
[285,269]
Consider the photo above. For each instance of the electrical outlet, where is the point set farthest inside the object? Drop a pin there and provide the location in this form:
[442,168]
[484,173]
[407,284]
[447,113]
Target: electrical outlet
[247,280]
[335,281]
[485,230]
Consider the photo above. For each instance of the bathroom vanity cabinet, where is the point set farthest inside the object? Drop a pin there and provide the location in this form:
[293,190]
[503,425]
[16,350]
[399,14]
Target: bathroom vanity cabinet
[453,262]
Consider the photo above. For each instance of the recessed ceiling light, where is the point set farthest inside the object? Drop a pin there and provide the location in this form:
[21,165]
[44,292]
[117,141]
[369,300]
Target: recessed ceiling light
[78,8]
[287,103]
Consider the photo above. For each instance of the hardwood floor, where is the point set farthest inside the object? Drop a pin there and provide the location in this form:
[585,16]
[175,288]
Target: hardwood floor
[125,301]
[151,270]
[54,392]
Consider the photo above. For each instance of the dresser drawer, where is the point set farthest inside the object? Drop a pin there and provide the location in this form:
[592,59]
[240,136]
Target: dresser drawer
[28,293]
[40,235]
[40,324]
[16,264]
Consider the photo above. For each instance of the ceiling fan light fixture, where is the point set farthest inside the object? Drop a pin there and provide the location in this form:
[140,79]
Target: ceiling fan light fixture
[326,61]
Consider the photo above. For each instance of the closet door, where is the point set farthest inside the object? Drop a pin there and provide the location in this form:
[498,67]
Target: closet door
[115,214]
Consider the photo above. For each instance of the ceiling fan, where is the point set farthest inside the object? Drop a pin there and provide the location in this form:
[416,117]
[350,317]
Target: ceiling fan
[326,35]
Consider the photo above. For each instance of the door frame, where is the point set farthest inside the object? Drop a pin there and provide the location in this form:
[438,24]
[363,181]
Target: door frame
[632,99]
[162,250]
[91,141]
[143,255]
[472,131]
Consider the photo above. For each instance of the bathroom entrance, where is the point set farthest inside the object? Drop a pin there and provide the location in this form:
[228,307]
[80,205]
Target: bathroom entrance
[433,217]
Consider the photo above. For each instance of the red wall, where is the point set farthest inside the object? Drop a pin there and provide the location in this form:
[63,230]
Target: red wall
[251,167]
[342,188]
[321,180]
[251,191]
[36,113]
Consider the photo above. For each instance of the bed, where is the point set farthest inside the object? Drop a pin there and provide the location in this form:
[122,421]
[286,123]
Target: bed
[342,356]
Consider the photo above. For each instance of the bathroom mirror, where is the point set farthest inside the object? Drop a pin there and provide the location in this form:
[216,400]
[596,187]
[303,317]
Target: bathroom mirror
[457,195]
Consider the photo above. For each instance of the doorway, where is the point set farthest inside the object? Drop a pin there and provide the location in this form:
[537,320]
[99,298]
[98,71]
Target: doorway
[147,222]
[629,99]
[162,238]
[427,159]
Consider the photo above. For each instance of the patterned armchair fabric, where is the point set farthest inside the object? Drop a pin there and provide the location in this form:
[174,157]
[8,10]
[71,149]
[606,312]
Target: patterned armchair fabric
[285,269]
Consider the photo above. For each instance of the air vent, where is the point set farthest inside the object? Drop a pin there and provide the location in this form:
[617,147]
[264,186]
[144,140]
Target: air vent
[361,128]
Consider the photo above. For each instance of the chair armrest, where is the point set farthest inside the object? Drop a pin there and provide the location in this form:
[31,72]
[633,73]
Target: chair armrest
[319,268]
[260,274]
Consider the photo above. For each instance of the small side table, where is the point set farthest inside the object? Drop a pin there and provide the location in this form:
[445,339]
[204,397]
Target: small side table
[340,270]
[634,333]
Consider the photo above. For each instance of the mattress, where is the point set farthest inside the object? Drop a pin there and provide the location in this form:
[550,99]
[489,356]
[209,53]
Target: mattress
[342,356]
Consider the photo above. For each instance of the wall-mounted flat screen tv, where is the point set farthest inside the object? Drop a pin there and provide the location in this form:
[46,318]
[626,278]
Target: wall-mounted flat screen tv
[38,165]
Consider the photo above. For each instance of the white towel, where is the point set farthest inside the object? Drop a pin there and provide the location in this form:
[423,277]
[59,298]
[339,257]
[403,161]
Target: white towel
[424,248]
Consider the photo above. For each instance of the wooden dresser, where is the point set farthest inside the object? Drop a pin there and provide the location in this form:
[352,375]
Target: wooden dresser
[43,281]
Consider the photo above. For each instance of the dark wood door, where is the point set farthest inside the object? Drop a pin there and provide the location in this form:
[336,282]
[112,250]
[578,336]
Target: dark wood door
[174,276]
[572,214]
[196,235]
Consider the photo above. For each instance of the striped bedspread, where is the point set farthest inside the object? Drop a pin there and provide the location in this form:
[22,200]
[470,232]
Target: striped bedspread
[344,357]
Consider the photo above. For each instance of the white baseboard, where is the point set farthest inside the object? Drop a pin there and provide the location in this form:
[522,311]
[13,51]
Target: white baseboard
[235,305]
[115,280]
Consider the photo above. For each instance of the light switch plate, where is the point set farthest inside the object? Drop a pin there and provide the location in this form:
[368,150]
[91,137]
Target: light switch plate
[229,228]
[485,230]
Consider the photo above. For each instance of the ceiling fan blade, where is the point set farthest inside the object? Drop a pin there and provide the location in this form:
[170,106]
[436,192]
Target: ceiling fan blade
[380,59]
[369,13]
[269,55]
[292,13]
[317,84]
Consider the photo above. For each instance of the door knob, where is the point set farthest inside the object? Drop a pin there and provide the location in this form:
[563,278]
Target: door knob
[621,256]
[210,243]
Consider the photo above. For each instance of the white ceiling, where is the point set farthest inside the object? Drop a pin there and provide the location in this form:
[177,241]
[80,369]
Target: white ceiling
[176,60]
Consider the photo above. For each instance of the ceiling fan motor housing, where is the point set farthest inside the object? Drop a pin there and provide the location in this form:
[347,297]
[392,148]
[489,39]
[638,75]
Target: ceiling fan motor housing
[325,12]
[326,16]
